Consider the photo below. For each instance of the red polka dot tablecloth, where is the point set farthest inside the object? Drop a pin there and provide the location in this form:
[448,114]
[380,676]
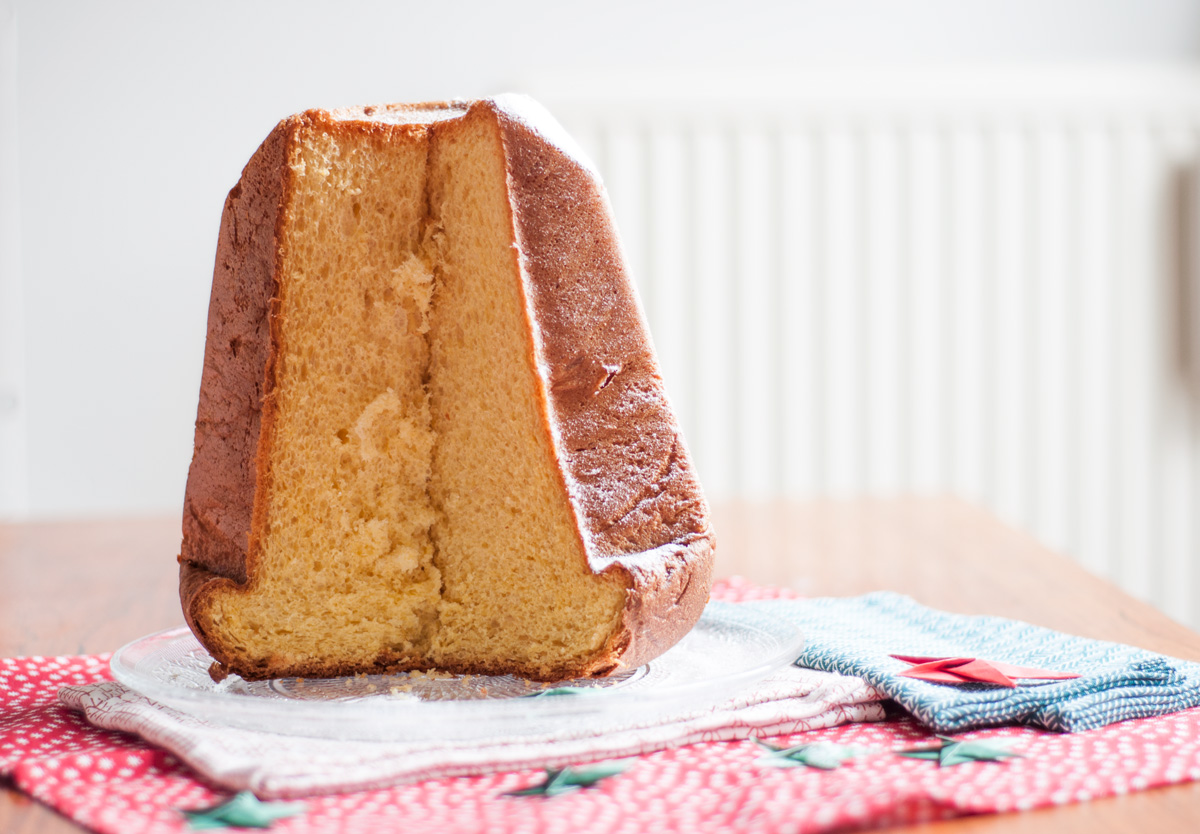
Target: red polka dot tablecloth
[113,782]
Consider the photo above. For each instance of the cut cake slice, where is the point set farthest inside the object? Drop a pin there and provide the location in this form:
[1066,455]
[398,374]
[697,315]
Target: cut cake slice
[432,431]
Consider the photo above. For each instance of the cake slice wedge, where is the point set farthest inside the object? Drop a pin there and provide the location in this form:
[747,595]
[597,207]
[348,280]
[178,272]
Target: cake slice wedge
[432,433]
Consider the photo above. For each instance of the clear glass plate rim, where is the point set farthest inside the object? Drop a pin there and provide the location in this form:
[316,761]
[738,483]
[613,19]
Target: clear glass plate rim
[495,709]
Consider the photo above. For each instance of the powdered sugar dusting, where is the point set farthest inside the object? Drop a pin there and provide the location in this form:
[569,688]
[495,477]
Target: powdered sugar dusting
[538,119]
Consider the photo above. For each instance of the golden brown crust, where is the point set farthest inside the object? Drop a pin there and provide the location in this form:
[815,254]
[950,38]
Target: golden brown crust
[640,510]
[220,511]
[635,493]
[229,480]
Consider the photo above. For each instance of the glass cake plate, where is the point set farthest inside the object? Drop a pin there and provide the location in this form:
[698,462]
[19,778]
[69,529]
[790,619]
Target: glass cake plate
[731,647]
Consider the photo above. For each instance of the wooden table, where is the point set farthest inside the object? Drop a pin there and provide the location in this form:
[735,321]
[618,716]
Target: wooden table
[88,587]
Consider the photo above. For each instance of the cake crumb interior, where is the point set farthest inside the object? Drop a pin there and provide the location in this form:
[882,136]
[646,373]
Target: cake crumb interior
[417,518]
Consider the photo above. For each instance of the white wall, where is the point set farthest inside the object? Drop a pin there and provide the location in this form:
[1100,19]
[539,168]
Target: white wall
[136,117]
[14,467]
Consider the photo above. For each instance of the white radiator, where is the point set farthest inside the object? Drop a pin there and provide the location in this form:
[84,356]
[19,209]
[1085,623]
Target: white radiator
[975,284]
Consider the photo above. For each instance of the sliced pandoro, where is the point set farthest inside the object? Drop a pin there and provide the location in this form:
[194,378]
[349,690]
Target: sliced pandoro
[432,433]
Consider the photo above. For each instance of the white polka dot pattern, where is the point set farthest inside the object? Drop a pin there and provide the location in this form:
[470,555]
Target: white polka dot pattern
[113,782]
[792,699]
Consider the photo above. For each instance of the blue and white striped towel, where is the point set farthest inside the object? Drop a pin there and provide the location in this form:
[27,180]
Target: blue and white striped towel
[856,635]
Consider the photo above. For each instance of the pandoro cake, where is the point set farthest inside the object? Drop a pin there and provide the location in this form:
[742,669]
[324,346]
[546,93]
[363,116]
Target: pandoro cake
[432,432]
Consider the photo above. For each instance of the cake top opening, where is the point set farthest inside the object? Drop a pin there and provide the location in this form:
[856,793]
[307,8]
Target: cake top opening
[401,114]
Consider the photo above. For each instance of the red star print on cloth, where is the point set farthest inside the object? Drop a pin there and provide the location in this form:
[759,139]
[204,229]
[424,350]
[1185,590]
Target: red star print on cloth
[974,670]
[113,783]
